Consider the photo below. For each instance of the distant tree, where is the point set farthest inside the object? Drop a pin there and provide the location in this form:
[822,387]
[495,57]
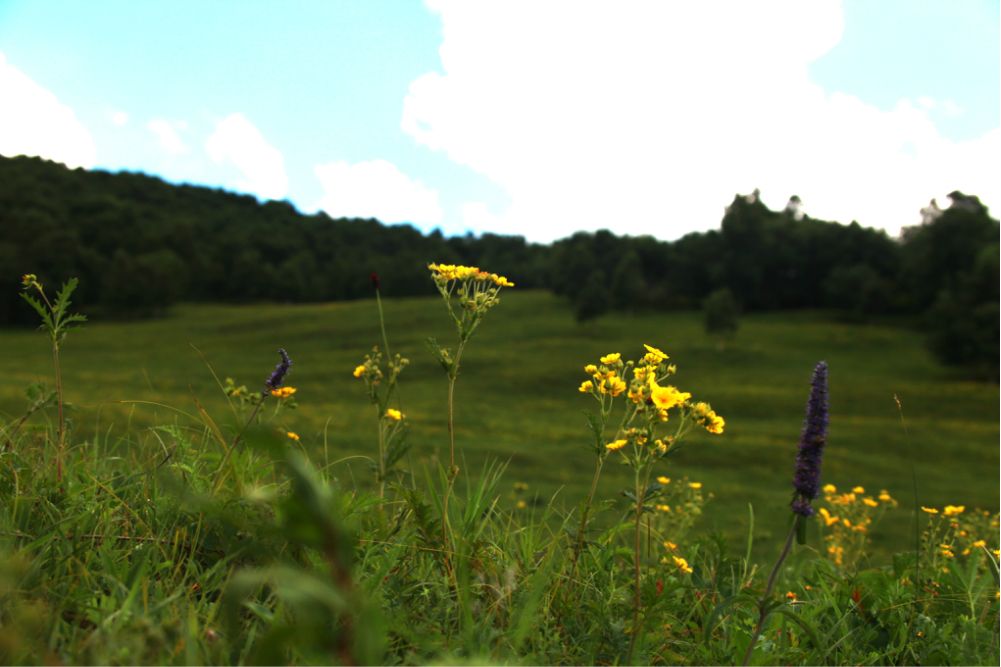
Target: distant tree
[721,313]
[628,287]
[857,290]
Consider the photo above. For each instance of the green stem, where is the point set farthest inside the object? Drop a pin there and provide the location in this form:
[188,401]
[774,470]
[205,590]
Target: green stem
[582,529]
[763,602]
[382,325]
[640,491]
[59,400]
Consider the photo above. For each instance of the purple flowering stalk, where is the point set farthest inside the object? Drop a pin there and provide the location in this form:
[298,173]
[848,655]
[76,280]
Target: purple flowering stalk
[806,482]
[278,374]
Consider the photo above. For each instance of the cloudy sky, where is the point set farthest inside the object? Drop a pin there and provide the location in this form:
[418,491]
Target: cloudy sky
[536,118]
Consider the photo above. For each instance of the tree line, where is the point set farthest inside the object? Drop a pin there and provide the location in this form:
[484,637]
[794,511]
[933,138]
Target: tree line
[139,244]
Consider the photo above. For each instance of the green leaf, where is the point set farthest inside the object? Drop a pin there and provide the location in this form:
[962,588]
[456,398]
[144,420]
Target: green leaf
[42,312]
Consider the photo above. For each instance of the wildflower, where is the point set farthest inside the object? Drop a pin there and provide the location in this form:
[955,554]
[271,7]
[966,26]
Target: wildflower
[520,486]
[885,496]
[586,387]
[283,392]
[695,485]
[663,508]
[791,596]
[278,375]
[374,277]
[393,414]
[870,502]
[670,546]
[615,445]
[663,480]
[662,447]
[28,279]
[826,516]
[707,418]
[590,369]
[521,504]
[654,356]
[830,489]
[953,510]
[811,444]
[292,436]
[359,370]
[668,397]
[929,510]
[610,359]
[859,490]
[682,564]
[980,543]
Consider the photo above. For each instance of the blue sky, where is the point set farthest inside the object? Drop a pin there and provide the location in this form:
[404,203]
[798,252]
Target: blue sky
[535,118]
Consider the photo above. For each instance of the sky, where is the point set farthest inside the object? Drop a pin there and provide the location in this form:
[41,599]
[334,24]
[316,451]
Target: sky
[536,118]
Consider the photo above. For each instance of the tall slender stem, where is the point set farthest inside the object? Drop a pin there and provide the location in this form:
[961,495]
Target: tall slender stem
[382,448]
[453,469]
[59,401]
[763,602]
[640,492]
[382,324]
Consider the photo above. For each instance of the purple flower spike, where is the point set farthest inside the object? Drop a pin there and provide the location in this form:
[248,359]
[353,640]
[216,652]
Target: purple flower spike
[278,375]
[811,444]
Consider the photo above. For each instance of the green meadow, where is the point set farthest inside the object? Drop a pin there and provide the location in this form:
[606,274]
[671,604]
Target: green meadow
[517,398]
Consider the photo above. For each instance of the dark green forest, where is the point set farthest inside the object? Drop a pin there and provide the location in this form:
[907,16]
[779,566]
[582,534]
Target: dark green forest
[139,244]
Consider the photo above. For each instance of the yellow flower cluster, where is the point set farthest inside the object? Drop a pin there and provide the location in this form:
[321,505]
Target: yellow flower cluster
[449,272]
[682,564]
[283,392]
[953,531]
[393,414]
[667,397]
[605,380]
[707,418]
[847,520]
[291,435]
[616,445]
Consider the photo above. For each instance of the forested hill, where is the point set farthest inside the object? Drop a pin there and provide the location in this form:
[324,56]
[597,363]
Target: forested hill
[139,244]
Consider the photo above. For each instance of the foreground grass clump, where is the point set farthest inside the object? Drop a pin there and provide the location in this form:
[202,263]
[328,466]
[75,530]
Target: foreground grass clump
[223,536]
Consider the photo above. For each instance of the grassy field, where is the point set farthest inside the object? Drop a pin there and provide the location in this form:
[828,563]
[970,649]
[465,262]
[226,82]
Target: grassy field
[517,399]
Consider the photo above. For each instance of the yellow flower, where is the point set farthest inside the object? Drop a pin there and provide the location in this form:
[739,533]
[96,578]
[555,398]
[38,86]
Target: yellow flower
[615,445]
[663,480]
[682,564]
[870,502]
[668,397]
[953,510]
[640,373]
[359,370]
[663,508]
[610,359]
[715,424]
[858,489]
[585,387]
[830,488]
[826,516]
[615,386]
[283,392]
[929,510]
[521,504]
[500,281]
[791,596]
[885,496]
[590,369]
[980,543]
[670,546]
[695,485]
[292,436]
[393,414]
[654,356]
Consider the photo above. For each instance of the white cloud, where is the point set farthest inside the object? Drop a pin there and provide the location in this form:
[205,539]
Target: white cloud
[647,117]
[168,135]
[376,189]
[238,142]
[119,118]
[34,122]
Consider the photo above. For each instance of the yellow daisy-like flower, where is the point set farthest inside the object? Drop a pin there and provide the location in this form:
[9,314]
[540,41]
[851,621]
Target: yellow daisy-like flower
[870,502]
[663,480]
[979,543]
[858,489]
[695,485]
[586,387]
[670,546]
[682,564]
[830,488]
[394,414]
[521,504]
[359,370]
[654,356]
[615,445]
[291,435]
[929,510]
[826,516]
[668,397]
[615,386]
[663,508]
[885,496]
[283,392]
[610,359]
[954,510]
[590,369]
